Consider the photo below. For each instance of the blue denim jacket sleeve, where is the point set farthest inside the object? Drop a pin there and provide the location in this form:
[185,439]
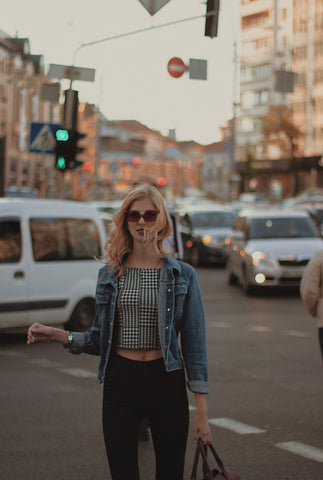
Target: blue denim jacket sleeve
[193,338]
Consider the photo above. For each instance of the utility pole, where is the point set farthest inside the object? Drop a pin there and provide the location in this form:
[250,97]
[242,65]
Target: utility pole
[2,166]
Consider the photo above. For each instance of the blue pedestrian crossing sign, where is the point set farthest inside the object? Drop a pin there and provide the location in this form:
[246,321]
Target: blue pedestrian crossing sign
[42,137]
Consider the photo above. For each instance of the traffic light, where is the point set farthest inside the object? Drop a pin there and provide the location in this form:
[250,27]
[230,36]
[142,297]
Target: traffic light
[212,20]
[67,149]
[136,160]
[62,149]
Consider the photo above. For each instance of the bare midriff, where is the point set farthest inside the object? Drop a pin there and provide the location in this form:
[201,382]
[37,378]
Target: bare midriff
[141,355]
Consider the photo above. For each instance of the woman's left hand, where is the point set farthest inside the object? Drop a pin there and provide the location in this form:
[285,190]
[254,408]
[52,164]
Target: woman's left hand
[201,428]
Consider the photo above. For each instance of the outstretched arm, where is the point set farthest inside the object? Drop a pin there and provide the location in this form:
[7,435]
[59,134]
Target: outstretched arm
[41,333]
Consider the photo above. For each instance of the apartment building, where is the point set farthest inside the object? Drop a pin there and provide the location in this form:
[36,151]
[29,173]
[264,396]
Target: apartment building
[265,48]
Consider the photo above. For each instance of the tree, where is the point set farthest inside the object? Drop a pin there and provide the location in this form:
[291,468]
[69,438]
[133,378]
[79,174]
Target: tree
[279,128]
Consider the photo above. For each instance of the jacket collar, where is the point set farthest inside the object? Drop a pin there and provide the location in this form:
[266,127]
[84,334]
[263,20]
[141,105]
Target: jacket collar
[169,263]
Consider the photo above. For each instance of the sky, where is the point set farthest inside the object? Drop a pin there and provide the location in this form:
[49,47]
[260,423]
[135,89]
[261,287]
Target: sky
[131,77]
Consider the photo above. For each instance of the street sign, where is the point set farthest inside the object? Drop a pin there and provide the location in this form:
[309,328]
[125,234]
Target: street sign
[197,69]
[71,72]
[176,67]
[42,138]
[50,92]
[152,6]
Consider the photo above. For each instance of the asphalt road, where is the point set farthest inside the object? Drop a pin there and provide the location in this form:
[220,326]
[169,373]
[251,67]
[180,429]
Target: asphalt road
[265,404]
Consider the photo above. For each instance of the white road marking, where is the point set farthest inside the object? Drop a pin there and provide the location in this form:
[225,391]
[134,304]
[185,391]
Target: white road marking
[296,333]
[12,353]
[44,362]
[302,449]
[220,324]
[78,372]
[235,426]
[259,328]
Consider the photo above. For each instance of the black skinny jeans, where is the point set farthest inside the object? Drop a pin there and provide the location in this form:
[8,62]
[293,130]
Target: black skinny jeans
[134,390]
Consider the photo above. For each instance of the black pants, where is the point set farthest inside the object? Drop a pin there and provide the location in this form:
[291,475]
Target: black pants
[134,390]
[320,332]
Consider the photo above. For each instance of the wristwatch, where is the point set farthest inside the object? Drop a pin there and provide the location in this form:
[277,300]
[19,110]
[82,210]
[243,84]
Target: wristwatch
[69,339]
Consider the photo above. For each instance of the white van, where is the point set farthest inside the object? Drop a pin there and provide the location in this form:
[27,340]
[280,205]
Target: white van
[48,270]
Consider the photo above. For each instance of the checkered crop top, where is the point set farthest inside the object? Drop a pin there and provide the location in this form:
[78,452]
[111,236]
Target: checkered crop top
[137,306]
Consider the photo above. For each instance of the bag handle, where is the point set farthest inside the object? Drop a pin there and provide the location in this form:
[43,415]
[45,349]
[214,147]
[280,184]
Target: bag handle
[201,449]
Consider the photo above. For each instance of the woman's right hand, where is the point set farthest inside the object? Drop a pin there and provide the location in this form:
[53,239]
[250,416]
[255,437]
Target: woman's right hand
[39,333]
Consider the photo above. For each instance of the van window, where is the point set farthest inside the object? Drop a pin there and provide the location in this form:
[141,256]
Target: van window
[62,239]
[10,240]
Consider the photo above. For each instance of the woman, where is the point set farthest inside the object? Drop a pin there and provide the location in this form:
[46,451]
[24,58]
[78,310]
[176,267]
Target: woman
[145,299]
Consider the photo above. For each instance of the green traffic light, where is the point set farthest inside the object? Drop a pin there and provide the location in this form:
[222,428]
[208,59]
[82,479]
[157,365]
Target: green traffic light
[62,135]
[61,163]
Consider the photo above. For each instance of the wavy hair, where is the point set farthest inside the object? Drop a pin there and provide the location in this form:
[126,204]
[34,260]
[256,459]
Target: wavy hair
[120,242]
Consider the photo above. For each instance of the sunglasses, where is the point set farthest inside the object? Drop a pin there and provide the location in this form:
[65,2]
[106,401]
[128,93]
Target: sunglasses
[148,216]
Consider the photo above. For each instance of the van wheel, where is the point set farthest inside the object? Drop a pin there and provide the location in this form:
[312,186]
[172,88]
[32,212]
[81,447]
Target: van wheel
[231,277]
[246,287]
[82,316]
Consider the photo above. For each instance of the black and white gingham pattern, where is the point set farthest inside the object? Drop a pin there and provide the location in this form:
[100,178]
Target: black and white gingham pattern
[137,304]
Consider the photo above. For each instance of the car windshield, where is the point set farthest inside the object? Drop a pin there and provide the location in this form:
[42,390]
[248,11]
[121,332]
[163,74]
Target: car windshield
[213,219]
[282,228]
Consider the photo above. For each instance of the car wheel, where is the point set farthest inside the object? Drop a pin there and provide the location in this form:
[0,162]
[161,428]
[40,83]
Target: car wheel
[231,277]
[82,316]
[246,287]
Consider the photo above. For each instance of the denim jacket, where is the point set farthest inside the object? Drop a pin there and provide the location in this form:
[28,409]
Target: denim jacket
[180,314]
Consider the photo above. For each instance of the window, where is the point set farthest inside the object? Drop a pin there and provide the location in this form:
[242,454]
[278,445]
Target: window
[247,125]
[213,219]
[283,228]
[10,240]
[255,72]
[62,239]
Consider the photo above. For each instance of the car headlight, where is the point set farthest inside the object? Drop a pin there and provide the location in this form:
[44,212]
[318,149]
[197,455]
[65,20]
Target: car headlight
[260,258]
[206,239]
[209,241]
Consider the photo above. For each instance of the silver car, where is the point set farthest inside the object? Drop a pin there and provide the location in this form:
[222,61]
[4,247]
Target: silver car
[271,247]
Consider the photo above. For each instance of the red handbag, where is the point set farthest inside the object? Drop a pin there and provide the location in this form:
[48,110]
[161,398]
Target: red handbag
[225,473]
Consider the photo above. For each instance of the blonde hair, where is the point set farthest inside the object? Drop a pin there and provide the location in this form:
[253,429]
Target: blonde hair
[120,242]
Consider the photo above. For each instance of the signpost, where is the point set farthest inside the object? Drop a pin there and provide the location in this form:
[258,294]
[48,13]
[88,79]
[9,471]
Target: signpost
[42,138]
[176,67]
[197,68]
[71,72]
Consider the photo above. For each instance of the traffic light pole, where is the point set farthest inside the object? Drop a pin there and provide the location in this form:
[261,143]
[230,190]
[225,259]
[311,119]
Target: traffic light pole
[141,30]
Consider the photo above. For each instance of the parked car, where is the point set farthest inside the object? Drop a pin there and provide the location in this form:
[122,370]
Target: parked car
[253,197]
[271,247]
[106,206]
[204,230]
[48,265]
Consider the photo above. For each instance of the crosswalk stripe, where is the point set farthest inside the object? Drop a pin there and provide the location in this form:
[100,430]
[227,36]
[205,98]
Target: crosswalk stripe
[220,324]
[235,426]
[78,372]
[12,353]
[44,362]
[296,333]
[259,328]
[302,449]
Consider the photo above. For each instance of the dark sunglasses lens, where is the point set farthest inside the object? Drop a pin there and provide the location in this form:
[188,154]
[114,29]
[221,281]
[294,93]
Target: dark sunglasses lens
[150,216]
[133,216]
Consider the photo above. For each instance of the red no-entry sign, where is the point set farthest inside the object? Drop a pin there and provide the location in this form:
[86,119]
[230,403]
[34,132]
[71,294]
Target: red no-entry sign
[176,67]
